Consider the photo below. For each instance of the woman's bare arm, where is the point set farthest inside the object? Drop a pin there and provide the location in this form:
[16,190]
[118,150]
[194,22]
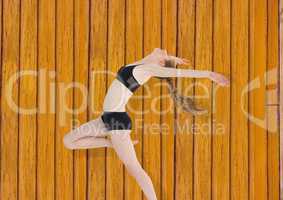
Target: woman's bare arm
[159,71]
[153,65]
[158,56]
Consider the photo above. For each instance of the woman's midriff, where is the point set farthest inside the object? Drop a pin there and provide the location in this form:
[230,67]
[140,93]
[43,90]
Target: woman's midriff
[117,97]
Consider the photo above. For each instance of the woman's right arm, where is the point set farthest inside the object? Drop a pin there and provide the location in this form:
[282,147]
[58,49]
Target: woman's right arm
[163,72]
[159,71]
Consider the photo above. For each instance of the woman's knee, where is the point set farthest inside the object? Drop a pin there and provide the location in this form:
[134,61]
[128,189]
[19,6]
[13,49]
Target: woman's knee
[71,137]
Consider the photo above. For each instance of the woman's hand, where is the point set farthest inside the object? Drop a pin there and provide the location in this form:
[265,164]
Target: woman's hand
[179,61]
[219,78]
[159,56]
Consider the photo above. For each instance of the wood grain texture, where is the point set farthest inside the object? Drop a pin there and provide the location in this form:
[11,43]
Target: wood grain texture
[257,101]
[133,52]
[239,79]
[46,101]
[272,91]
[151,126]
[97,88]
[64,182]
[203,132]
[281,94]
[116,46]
[184,140]
[81,51]
[225,154]
[221,101]
[169,37]
[28,101]
[9,115]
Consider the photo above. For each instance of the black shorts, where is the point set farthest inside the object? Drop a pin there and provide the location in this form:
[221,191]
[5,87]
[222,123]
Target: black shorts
[116,121]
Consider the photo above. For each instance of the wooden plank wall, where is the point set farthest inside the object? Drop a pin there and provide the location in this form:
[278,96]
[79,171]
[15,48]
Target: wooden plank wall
[232,152]
[281,93]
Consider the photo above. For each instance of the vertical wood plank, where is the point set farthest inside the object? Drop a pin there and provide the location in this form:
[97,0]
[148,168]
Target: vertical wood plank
[221,102]
[202,175]
[134,51]
[272,100]
[1,55]
[28,100]
[97,87]
[64,97]
[202,148]
[257,107]
[1,63]
[239,79]
[9,115]
[281,94]
[184,178]
[116,49]
[272,70]
[46,99]
[169,33]
[151,142]
[81,47]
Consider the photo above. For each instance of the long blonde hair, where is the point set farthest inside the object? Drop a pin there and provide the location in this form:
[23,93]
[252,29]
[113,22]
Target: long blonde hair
[187,103]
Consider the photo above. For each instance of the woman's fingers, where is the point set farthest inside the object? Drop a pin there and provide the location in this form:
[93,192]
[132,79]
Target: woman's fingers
[165,52]
[219,78]
[186,61]
[177,60]
[135,142]
[162,55]
[180,61]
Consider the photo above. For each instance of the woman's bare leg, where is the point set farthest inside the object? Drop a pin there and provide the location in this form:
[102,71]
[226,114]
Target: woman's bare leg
[124,148]
[90,142]
[88,135]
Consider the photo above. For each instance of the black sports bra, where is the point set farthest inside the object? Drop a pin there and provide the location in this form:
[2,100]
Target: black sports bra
[125,76]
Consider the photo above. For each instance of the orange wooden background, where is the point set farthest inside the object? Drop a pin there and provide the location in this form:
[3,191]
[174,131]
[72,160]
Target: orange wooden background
[78,38]
[281,95]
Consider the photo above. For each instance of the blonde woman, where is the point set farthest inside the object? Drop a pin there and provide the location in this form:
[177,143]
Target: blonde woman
[115,123]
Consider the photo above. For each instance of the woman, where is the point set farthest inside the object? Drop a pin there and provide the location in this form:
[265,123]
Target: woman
[115,122]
